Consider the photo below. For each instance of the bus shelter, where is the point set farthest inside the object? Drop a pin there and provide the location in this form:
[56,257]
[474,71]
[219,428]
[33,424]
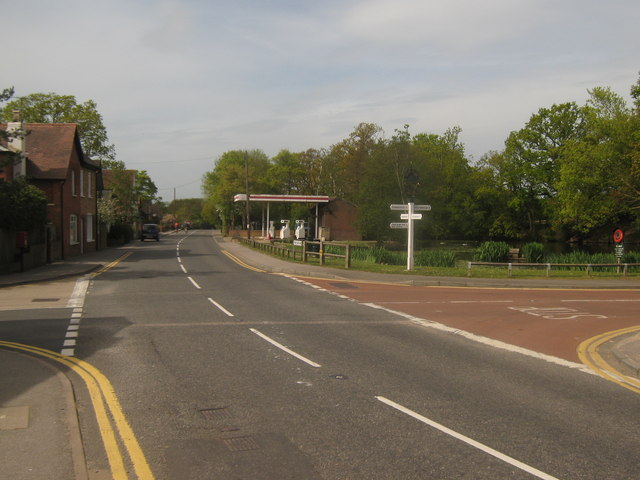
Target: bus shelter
[268,198]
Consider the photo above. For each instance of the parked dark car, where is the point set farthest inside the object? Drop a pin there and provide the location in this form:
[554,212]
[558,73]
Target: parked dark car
[150,230]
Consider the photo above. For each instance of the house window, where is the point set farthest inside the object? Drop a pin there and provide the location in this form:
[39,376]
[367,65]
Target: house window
[89,224]
[89,182]
[73,230]
[73,183]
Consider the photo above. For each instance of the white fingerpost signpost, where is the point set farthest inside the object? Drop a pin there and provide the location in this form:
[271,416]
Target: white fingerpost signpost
[410,216]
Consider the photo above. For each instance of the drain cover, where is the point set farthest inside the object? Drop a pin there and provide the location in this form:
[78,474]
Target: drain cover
[221,413]
[241,444]
[45,299]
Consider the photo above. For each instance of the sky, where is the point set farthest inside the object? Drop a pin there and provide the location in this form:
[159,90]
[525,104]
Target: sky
[178,83]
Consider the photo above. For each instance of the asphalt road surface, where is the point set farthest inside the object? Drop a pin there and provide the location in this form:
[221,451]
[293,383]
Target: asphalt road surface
[224,372]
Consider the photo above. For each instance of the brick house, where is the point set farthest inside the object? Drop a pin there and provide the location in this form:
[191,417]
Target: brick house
[337,220]
[52,160]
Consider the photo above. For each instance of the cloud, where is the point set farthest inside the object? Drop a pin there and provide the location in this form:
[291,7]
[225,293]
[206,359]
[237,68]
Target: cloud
[452,26]
[172,24]
[186,79]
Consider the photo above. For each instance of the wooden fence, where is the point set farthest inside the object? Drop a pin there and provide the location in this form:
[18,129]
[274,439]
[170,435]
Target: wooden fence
[302,252]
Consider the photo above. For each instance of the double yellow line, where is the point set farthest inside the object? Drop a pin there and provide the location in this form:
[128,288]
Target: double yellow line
[107,409]
[588,353]
[241,263]
[111,265]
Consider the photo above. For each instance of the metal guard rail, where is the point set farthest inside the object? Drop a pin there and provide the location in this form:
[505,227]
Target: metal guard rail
[587,266]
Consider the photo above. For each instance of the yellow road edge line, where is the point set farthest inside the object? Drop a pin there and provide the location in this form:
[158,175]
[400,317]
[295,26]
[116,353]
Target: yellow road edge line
[588,354]
[114,456]
[112,264]
[241,263]
[140,464]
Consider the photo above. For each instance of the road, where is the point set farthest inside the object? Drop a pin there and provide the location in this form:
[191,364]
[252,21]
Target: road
[226,372]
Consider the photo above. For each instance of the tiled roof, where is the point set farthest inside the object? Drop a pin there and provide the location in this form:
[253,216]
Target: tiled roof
[49,149]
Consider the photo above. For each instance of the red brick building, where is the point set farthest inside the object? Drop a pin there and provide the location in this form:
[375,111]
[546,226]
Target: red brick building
[52,160]
[337,220]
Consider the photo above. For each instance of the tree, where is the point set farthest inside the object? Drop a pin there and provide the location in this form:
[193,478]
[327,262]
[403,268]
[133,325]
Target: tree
[595,169]
[286,173]
[53,108]
[348,159]
[227,179]
[188,209]
[530,163]
[24,207]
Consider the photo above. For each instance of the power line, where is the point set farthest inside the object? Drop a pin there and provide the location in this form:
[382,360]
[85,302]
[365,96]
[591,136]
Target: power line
[183,185]
[170,161]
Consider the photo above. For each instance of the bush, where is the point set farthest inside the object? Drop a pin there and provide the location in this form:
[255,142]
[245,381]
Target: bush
[24,206]
[533,252]
[492,252]
[378,255]
[435,258]
[121,232]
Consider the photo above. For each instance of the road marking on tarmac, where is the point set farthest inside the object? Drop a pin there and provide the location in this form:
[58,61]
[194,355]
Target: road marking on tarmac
[76,301]
[469,441]
[241,263]
[285,349]
[107,409]
[588,354]
[227,312]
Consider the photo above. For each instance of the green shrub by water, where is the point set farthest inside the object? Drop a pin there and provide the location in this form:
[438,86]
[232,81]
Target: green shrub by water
[533,252]
[378,255]
[434,258]
[492,252]
[593,259]
[421,258]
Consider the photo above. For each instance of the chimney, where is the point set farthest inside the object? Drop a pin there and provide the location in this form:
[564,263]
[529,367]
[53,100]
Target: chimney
[17,143]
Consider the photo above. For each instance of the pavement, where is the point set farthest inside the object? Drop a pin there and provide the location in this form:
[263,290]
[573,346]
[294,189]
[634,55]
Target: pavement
[39,433]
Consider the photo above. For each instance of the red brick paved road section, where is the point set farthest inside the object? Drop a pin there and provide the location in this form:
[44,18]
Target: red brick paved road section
[553,322]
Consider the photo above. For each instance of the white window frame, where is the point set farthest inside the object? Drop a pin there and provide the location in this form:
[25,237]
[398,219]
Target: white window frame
[89,184]
[89,227]
[73,183]
[73,230]
[81,182]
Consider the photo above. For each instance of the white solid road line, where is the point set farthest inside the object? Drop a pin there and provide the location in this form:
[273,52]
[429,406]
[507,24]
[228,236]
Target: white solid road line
[285,349]
[221,307]
[486,340]
[469,441]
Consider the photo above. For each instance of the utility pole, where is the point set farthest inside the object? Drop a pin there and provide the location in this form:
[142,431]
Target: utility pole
[246,187]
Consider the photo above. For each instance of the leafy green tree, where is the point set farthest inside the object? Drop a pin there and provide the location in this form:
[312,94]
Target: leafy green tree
[347,159]
[529,168]
[144,188]
[24,207]
[286,173]
[227,179]
[53,108]
[188,209]
[594,168]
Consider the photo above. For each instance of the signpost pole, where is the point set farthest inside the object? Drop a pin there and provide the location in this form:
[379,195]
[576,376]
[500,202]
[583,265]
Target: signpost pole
[410,238]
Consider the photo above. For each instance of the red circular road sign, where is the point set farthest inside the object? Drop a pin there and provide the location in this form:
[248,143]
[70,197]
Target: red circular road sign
[618,235]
